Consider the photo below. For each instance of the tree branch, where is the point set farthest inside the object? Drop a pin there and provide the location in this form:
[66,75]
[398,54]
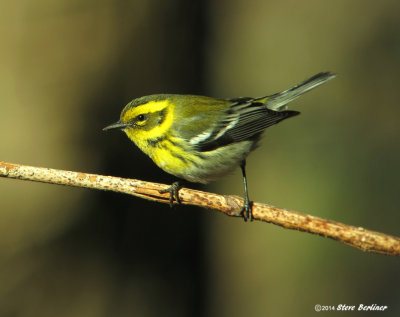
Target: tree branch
[363,239]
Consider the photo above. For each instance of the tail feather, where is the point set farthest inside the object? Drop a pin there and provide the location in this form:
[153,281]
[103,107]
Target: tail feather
[278,101]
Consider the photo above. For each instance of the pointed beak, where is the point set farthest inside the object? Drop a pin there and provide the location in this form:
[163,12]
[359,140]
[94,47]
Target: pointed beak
[116,125]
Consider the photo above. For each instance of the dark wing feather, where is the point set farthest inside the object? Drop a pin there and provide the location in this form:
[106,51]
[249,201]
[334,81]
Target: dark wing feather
[244,120]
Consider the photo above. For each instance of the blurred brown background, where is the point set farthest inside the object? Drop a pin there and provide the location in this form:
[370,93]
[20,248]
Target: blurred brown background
[68,68]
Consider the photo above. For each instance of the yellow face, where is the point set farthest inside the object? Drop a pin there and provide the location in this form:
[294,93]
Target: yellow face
[147,121]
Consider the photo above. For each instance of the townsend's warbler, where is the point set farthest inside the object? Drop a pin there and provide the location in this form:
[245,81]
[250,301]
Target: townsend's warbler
[201,138]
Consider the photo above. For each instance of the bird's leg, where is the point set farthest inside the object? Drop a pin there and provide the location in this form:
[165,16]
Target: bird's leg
[173,191]
[247,204]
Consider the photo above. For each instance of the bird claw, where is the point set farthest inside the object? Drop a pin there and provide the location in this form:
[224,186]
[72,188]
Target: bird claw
[246,211]
[173,191]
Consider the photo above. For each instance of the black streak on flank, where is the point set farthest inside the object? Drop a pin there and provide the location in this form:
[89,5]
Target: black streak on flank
[178,156]
[172,142]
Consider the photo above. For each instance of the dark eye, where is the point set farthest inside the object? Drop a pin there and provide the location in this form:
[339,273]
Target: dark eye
[140,117]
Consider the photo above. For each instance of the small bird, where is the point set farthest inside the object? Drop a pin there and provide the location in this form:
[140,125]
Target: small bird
[200,138]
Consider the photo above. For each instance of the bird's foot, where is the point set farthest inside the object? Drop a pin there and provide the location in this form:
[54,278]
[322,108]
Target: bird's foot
[246,211]
[173,191]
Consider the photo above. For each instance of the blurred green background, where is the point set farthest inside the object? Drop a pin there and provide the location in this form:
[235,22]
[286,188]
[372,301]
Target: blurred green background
[68,68]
